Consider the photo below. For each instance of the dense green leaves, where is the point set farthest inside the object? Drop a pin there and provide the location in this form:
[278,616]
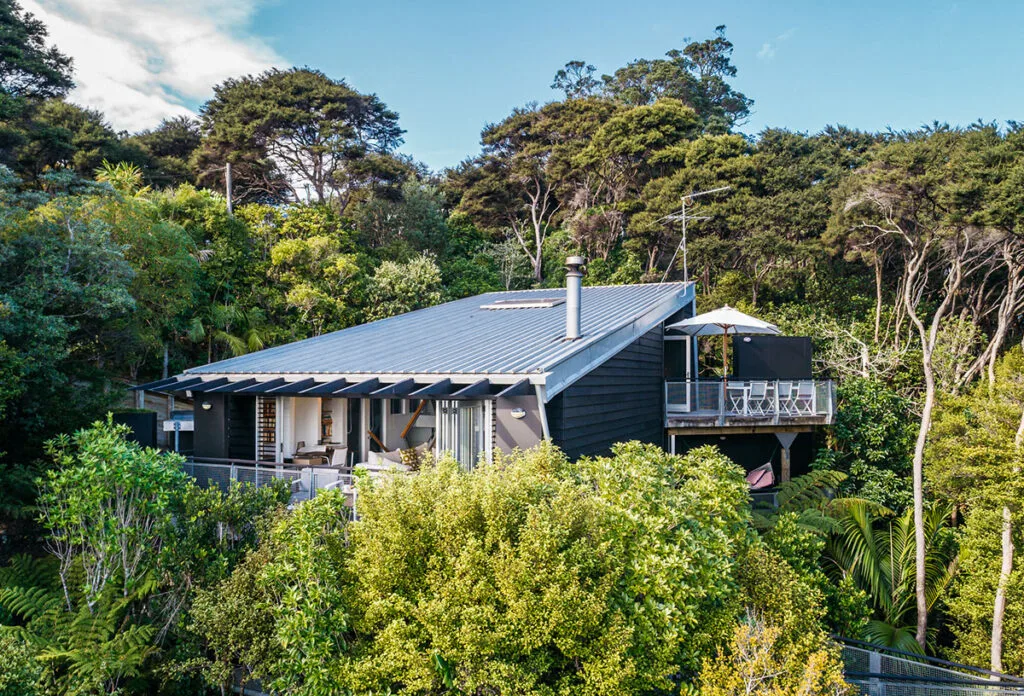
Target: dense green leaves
[612,575]
[130,541]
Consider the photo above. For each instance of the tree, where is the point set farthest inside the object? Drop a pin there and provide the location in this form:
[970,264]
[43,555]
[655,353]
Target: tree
[64,286]
[974,458]
[576,80]
[28,68]
[514,185]
[877,550]
[709,162]
[171,146]
[165,265]
[107,507]
[228,326]
[396,288]
[297,128]
[132,540]
[314,262]
[757,662]
[30,72]
[411,223]
[696,75]
[872,440]
[912,195]
[63,135]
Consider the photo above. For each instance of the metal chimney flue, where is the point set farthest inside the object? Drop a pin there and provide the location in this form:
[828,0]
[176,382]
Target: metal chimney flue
[573,296]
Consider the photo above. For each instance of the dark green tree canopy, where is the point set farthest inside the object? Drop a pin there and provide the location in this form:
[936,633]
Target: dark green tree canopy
[306,132]
[169,146]
[696,75]
[28,67]
[576,80]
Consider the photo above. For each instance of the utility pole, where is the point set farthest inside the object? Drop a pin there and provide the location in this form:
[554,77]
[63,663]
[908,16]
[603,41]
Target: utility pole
[683,217]
[227,187]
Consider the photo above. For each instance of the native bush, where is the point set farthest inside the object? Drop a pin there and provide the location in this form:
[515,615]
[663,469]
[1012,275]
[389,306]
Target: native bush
[531,575]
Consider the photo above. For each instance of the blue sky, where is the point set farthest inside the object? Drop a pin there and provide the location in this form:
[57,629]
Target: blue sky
[450,67]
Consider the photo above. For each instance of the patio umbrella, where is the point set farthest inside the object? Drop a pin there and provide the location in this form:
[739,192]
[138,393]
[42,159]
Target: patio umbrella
[724,321]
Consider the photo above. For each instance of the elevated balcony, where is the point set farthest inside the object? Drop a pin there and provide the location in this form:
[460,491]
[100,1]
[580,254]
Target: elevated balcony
[748,405]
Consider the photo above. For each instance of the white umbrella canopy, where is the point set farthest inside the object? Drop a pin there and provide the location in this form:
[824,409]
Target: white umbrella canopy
[723,322]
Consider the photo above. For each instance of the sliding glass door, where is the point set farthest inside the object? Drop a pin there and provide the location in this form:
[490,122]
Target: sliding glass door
[464,430]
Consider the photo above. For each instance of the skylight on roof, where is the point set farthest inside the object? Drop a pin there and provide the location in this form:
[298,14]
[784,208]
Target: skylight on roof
[532,303]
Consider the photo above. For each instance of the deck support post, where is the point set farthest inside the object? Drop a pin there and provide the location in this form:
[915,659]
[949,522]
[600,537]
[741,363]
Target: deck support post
[786,440]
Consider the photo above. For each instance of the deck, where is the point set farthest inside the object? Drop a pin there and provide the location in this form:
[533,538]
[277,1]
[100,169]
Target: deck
[708,406]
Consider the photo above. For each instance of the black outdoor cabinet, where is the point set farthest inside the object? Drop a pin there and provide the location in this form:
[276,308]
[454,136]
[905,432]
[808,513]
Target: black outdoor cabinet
[143,425]
[772,357]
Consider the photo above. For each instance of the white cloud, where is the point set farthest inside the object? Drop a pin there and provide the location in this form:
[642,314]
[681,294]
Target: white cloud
[139,61]
[768,48]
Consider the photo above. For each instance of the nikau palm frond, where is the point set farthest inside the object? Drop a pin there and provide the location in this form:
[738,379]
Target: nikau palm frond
[877,550]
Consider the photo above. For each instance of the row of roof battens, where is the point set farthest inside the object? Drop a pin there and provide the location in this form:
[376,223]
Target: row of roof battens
[373,388]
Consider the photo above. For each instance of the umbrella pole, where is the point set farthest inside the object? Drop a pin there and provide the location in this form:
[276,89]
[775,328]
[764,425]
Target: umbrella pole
[725,367]
[725,354]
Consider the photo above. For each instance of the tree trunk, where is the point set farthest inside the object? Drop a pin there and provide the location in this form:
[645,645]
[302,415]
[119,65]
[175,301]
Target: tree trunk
[999,610]
[878,296]
[1006,567]
[920,577]
[166,361]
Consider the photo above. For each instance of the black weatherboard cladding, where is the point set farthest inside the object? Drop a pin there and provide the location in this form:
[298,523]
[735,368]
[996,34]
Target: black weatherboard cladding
[241,427]
[210,426]
[228,428]
[620,400]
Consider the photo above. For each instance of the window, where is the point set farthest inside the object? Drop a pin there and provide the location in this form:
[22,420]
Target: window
[464,430]
[532,303]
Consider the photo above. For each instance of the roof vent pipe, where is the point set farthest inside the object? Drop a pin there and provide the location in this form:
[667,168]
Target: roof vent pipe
[573,293]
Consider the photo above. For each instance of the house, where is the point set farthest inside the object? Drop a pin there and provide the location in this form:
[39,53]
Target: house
[585,367]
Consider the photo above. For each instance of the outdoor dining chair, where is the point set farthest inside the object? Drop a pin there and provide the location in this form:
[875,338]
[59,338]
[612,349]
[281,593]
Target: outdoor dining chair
[757,399]
[804,400]
[787,405]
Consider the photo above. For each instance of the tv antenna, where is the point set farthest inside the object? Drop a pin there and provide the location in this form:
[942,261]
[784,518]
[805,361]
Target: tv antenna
[683,217]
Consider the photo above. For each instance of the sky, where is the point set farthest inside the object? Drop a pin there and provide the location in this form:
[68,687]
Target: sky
[448,67]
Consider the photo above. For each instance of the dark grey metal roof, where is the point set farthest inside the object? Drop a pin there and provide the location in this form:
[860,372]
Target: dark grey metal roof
[462,338]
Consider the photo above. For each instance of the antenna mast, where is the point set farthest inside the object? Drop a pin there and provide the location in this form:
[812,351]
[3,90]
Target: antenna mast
[683,217]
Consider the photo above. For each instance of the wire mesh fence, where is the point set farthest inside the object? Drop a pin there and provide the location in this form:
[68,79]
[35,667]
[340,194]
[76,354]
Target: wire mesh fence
[879,671]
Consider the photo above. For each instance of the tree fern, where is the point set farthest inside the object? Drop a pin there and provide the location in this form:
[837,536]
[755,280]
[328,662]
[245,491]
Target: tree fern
[29,587]
[809,497]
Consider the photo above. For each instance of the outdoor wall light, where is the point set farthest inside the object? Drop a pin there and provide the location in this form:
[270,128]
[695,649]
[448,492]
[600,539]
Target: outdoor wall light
[207,405]
[518,413]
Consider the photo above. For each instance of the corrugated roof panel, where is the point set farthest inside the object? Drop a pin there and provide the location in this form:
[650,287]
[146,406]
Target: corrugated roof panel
[461,337]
